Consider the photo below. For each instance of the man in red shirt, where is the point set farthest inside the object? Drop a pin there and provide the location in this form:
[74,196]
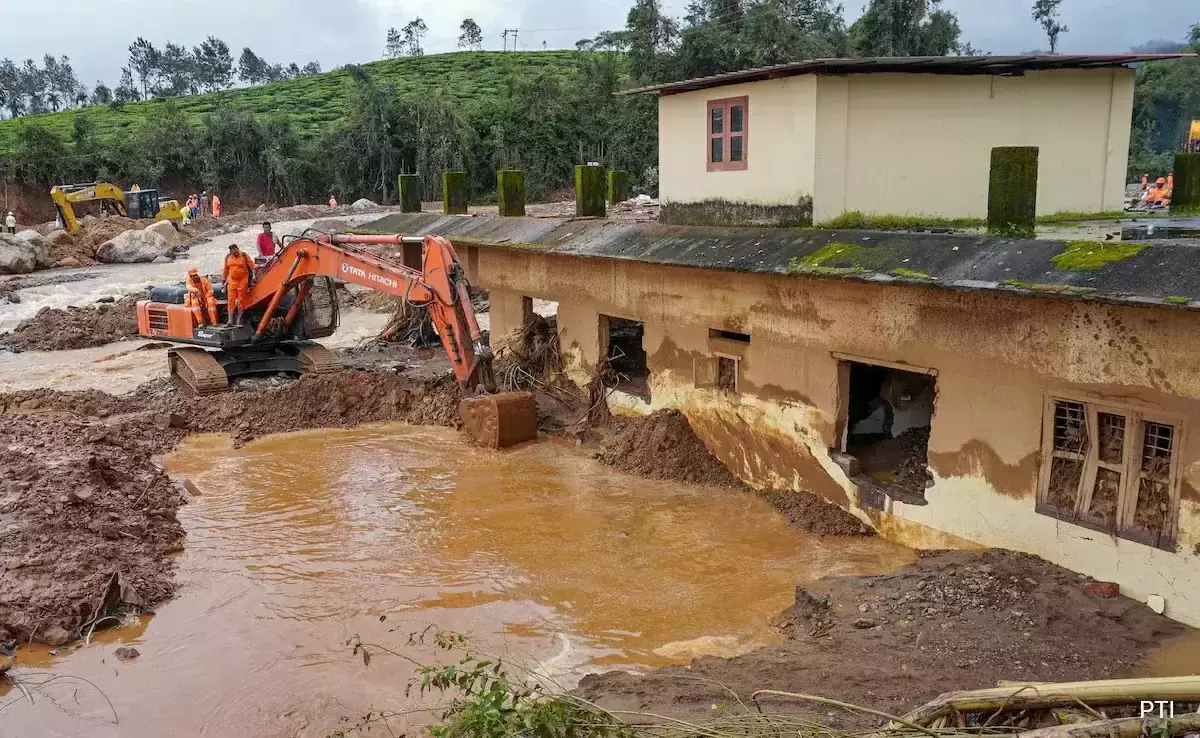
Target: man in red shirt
[267,242]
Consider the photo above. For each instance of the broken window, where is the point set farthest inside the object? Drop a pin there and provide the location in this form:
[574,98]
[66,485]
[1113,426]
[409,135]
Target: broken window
[888,415]
[625,357]
[1097,475]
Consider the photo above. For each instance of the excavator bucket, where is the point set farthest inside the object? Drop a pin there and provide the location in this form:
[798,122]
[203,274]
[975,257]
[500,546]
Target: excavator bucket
[500,421]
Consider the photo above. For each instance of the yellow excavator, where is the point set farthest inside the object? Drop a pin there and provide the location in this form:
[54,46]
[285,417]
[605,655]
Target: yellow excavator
[136,203]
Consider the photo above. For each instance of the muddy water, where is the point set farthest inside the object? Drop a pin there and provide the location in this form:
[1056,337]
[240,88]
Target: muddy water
[300,541]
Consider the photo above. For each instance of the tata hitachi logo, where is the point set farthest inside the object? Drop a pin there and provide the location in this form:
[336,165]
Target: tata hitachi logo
[371,277]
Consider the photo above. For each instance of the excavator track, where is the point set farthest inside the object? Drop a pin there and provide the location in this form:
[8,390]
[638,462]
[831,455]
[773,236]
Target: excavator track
[197,371]
[316,359]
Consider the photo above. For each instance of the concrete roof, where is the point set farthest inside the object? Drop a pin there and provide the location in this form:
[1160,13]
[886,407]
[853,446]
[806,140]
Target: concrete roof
[1141,273]
[952,65]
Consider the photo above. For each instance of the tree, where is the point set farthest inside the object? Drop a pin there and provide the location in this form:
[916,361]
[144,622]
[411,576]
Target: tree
[1045,12]
[470,36]
[293,71]
[251,68]
[214,64]
[311,68]
[101,94]
[10,88]
[905,28]
[652,38]
[414,31]
[394,46]
[145,61]
[126,91]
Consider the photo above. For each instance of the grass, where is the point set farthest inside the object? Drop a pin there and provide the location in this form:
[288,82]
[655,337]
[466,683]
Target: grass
[1089,256]
[858,220]
[1067,289]
[1069,216]
[314,103]
[909,273]
[1177,299]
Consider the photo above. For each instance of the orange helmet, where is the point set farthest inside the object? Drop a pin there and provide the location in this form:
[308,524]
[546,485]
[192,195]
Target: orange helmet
[1161,181]
[193,272]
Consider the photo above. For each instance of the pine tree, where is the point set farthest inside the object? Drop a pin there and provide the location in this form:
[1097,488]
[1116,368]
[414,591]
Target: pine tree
[395,44]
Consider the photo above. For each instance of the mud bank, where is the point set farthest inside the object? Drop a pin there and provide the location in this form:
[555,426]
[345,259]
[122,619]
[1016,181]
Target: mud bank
[664,446]
[951,620]
[53,329]
[84,499]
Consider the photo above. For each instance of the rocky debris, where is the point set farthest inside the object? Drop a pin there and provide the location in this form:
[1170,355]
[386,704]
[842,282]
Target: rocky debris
[53,329]
[951,620]
[32,237]
[807,512]
[127,653]
[134,247]
[162,260]
[363,204]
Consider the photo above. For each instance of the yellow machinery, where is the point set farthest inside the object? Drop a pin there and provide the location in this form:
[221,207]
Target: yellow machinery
[137,203]
[1193,140]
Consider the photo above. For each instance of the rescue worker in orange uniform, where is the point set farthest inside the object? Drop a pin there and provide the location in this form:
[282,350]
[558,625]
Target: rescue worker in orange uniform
[236,276]
[332,201]
[200,298]
[216,206]
[1156,194]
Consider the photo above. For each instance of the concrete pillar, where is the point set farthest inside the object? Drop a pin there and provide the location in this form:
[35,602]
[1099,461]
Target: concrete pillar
[454,193]
[1012,191]
[1185,199]
[510,191]
[618,186]
[589,190]
[409,187]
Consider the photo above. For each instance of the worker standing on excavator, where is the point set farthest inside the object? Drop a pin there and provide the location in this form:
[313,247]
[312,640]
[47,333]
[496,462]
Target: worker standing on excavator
[236,276]
[200,298]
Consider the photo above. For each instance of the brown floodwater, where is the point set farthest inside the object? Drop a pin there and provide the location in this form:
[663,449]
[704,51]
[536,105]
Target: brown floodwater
[542,556]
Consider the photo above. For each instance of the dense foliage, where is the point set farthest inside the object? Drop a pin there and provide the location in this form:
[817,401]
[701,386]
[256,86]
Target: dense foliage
[350,132]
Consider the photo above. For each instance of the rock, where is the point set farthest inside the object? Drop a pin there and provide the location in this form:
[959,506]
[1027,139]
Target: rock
[32,237]
[127,653]
[261,208]
[107,298]
[59,238]
[165,229]
[55,636]
[81,494]
[14,298]
[68,263]
[162,260]
[175,420]
[17,256]
[848,463]
[864,623]
[363,204]
[1157,603]
[131,247]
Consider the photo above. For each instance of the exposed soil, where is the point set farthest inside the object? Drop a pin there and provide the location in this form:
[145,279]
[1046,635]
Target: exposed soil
[664,446]
[951,620]
[53,329]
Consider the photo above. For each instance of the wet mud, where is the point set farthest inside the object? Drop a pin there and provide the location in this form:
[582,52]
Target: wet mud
[949,621]
[57,329]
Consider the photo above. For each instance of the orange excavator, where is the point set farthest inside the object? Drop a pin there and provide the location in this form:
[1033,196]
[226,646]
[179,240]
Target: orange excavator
[293,300]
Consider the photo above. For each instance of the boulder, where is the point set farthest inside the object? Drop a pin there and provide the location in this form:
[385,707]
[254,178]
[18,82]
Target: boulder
[32,237]
[165,229]
[17,256]
[68,263]
[363,204]
[40,250]
[261,208]
[132,247]
[162,260]
[59,238]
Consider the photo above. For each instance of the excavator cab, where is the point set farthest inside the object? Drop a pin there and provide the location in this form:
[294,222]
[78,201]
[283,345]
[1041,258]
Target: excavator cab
[142,204]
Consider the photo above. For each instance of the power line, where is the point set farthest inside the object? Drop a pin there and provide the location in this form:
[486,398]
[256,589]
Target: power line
[510,32]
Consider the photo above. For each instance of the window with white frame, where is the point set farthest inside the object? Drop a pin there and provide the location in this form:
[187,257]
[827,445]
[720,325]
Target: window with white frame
[1111,468]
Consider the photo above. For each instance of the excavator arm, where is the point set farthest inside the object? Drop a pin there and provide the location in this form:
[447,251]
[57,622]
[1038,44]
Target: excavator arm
[64,196]
[441,286]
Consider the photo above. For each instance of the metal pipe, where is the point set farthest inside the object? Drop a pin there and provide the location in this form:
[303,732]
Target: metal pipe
[279,293]
[294,310]
[464,297]
[374,239]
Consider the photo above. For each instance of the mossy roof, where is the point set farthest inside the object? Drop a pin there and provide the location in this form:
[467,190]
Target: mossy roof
[1105,271]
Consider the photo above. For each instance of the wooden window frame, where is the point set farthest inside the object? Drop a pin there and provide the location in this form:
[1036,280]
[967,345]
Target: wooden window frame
[725,104]
[1130,469]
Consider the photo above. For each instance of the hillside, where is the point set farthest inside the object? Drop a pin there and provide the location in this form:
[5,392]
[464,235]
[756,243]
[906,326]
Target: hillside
[315,101]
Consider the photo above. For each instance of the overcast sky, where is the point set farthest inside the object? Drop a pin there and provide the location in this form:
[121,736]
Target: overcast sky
[333,32]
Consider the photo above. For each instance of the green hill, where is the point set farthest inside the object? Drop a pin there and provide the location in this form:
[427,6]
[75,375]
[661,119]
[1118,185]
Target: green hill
[314,102]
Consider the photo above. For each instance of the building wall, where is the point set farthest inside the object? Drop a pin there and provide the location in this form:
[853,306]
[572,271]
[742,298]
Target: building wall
[997,357]
[779,145]
[922,144]
[901,144]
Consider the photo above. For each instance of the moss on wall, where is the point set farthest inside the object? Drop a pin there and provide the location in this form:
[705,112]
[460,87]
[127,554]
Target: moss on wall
[510,192]
[1177,299]
[589,190]
[1088,256]
[454,193]
[909,273]
[409,186]
[858,220]
[1185,199]
[1012,191]
[1066,289]
[618,186]
[727,213]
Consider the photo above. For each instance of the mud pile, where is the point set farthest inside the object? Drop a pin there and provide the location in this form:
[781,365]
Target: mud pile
[84,510]
[949,621]
[55,329]
[664,446]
